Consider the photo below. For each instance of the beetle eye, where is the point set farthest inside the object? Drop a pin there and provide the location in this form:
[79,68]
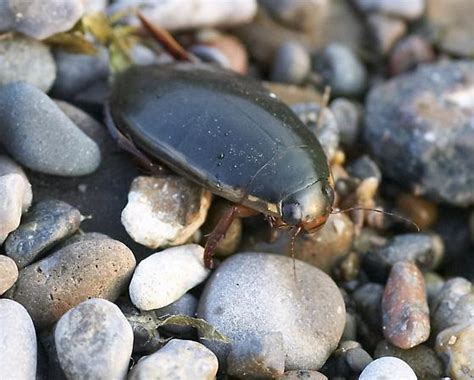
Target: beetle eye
[328,193]
[292,213]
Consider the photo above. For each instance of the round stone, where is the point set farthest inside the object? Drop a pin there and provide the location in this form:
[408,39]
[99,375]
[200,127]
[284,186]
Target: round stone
[253,295]
[8,273]
[94,341]
[388,368]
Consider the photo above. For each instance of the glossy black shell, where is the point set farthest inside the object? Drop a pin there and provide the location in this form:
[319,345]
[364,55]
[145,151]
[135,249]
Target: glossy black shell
[221,130]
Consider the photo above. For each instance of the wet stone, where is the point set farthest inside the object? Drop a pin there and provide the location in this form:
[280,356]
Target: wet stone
[40,20]
[388,367]
[453,305]
[17,342]
[179,359]
[425,250]
[52,286]
[94,341]
[26,60]
[185,305]
[165,210]
[405,313]
[8,273]
[454,345]
[419,128]
[12,193]
[342,70]
[46,224]
[38,135]
[422,359]
[164,277]
[257,358]
[256,294]
[291,64]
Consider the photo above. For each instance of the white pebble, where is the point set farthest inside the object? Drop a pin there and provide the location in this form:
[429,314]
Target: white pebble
[387,368]
[12,193]
[164,277]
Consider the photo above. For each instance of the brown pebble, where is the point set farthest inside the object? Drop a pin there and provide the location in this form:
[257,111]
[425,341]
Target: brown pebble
[405,313]
[408,53]
[75,273]
[234,50]
[422,212]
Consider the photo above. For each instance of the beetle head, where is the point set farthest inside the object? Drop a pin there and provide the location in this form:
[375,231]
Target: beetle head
[308,208]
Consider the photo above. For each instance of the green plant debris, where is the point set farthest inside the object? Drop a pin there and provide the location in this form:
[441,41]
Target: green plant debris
[73,42]
[206,330]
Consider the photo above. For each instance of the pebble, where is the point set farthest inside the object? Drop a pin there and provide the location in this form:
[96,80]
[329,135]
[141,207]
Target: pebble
[52,286]
[388,368]
[175,15]
[453,25]
[453,305]
[348,115]
[291,94]
[94,341]
[418,209]
[146,337]
[347,361]
[38,135]
[8,166]
[41,20]
[407,9]
[429,147]
[405,312]
[164,210]
[423,249]
[364,167]
[164,277]
[17,342]
[385,31]
[408,53]
[12,190]
[185,305]
[342,70]
[256,294]
[368,300]
[257,358]
[72,78]
[422,359]
[433,284]
[454,345]
[303,374]
[26,60]
[46,224]
[8,273]
[179,359]
[291,63]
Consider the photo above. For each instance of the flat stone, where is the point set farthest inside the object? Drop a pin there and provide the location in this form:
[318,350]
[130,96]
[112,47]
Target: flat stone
[8,166]
[26,60]
[164,277]
[389,368]
[179,359]
[405,312]
[38,135]
[39,19]
[12,190]
[8,273]
[77,272]
[94,341]
[256,294]
[419,126]
[46,224]
[454,345]
[164,210]
[17,342]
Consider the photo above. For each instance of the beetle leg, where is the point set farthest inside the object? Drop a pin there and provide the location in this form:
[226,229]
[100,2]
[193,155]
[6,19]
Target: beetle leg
[127,144]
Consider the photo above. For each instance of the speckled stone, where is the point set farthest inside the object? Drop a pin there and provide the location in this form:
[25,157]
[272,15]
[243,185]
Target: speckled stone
[52,286]
[94,341]
[256,294]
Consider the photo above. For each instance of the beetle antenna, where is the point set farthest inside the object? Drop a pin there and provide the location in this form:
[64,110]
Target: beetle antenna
[292,248]
[392,214]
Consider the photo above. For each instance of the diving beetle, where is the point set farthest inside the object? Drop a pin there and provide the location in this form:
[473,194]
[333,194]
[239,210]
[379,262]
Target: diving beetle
[229,134]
